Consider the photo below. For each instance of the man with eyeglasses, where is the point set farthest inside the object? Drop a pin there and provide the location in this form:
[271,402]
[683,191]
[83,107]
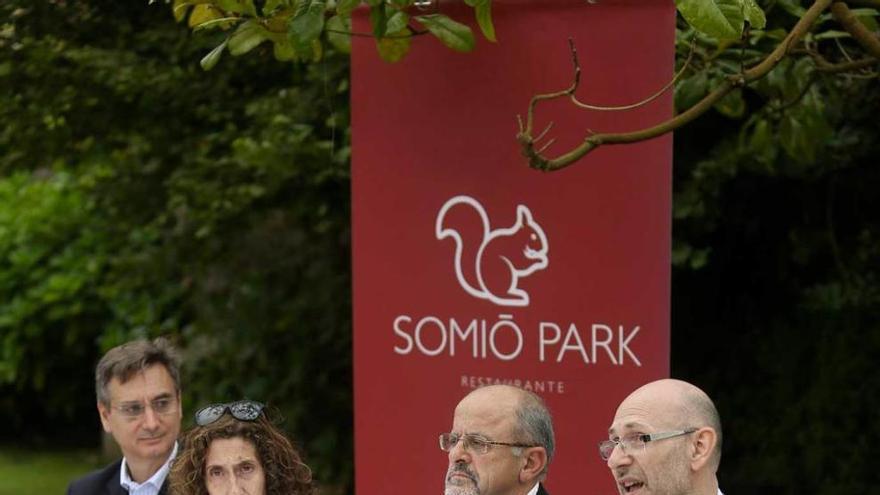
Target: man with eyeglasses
[665,440]
[501,443]
[138,389]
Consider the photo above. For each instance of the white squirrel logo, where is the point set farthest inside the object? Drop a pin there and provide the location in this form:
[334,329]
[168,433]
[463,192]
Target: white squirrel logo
[491,267]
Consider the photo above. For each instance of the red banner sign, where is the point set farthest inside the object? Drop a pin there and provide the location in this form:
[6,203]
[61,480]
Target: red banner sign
[472,269]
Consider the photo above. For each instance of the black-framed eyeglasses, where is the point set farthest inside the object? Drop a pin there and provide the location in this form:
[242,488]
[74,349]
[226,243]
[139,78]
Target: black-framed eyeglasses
[471,442]
[636,443]
[243,410]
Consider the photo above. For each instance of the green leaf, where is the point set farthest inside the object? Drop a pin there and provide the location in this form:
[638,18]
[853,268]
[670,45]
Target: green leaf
[754,14]
[337,27]
[202,14]
[454,35]
[246,38]
[721,19]
[271,5]
[284,51]
[867,17]
[691,90]
[762,144]
[307,24]
[395,46]
[792,136]
[222,23]
[699,258]
[179,8]
[680,253]
[378,20]
[346,7]
[793,7]
[210,60]
[484,19]
[733,104]
[238,6]
[831,34]
[397,22]
[316,50]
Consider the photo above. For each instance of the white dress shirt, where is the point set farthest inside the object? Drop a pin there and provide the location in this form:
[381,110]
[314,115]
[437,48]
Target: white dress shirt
[152,485]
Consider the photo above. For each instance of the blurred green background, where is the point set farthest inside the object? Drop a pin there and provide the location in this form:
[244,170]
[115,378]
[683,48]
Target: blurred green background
[141,196]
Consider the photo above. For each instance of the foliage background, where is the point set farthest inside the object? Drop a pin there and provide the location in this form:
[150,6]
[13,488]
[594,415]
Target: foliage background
[140,196]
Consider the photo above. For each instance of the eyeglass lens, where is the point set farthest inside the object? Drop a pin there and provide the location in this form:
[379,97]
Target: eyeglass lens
[470,443]
[627,445]
[162,405]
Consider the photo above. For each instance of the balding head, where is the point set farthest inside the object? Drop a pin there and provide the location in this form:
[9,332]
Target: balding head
[676,404]
[501,442]
[666,441]
[532,421]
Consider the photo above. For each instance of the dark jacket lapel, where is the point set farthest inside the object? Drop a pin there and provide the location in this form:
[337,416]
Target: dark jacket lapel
[112,486]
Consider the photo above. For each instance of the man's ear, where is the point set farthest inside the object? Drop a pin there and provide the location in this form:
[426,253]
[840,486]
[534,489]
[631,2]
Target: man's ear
[535,460]
[104,413]
[702,447]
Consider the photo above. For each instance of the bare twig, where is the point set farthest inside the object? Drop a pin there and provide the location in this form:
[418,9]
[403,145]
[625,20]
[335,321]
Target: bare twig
[638,104]
[593,141]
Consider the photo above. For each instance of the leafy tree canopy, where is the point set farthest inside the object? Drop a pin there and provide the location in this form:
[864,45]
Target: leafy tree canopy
[141,196]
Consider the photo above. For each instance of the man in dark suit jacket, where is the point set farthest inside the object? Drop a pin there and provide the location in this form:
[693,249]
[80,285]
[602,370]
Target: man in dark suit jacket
[103,481]
[501,443]
[138,388]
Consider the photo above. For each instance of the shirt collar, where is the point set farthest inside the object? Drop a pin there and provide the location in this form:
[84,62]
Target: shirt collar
[534,490]
[156,480]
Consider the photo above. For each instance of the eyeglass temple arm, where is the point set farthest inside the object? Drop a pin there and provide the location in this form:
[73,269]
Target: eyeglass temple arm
[668,434]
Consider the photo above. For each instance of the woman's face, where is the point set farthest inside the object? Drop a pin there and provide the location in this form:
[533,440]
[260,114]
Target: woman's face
[233,468]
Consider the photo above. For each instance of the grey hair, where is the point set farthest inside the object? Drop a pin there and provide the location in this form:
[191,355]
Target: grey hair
[123,361]
[536,425]
[703,411]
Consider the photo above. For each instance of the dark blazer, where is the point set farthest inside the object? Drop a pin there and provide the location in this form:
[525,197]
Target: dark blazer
[541,490]
[104,482]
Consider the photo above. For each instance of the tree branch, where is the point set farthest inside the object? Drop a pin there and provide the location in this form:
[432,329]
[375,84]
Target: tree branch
[865,3]
[638,104]
[823,65]
[593,141]
[853,26]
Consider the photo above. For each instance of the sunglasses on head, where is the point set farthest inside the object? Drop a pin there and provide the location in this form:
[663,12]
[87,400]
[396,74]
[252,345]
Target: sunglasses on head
[242,410]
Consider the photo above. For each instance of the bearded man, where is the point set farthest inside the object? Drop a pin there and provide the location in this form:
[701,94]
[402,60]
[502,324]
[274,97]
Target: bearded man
[501,443]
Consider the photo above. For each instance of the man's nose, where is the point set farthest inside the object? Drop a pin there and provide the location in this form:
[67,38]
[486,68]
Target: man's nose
[151,419]
[458,453]
[618,457]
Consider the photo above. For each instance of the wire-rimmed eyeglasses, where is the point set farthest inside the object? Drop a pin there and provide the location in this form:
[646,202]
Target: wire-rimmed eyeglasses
[163,405]
[635,443]
[471,442]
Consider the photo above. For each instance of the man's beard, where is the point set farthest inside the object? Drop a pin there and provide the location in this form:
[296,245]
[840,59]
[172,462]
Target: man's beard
[458,486]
